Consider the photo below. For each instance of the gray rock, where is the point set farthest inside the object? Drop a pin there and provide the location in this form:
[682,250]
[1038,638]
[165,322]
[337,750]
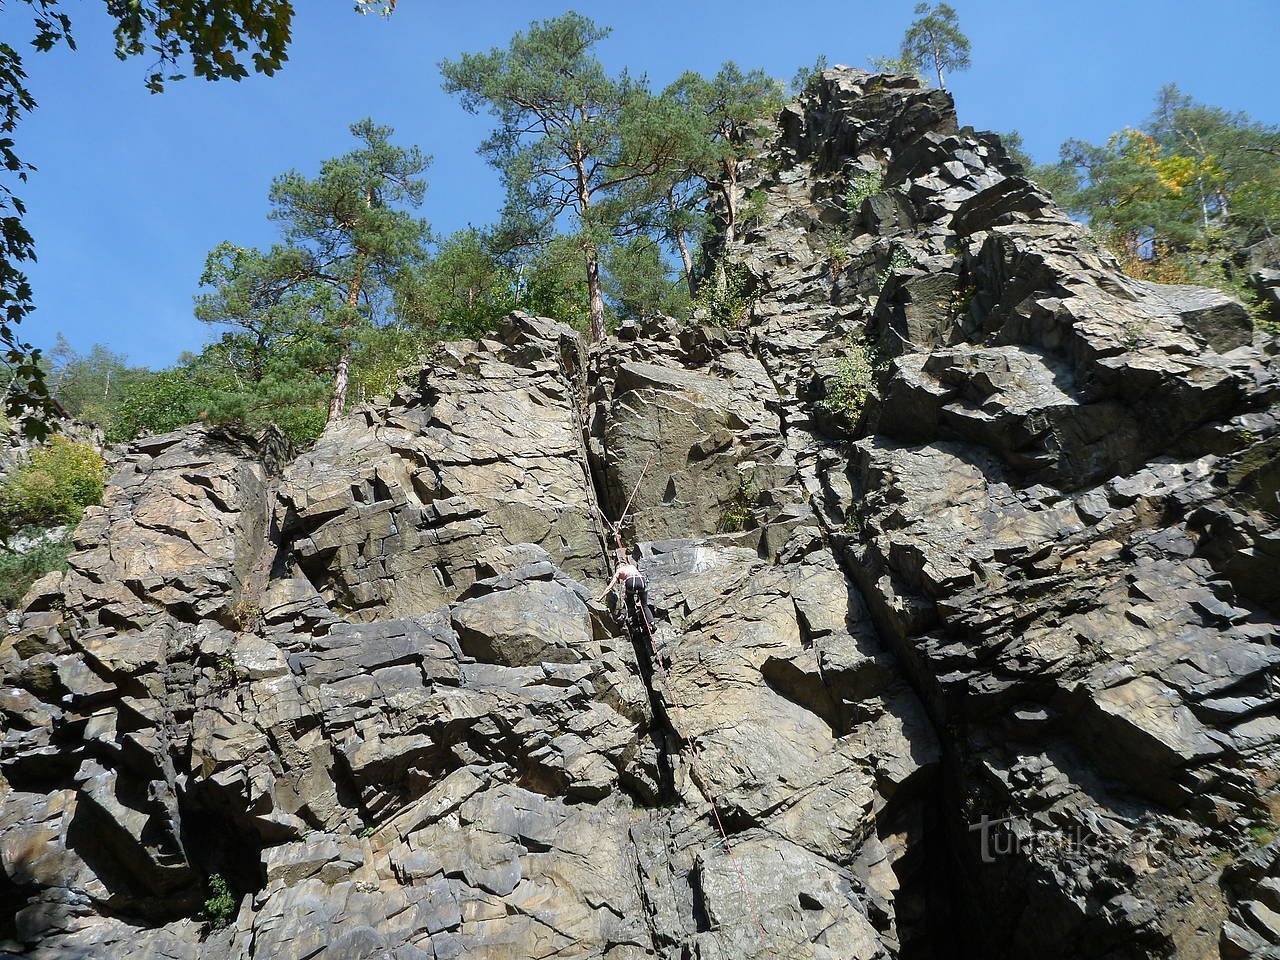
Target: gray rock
[986,667]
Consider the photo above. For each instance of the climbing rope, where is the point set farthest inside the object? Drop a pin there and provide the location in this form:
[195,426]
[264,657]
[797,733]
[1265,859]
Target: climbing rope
[634,490]
[691,749]
[616,528]
[690,745]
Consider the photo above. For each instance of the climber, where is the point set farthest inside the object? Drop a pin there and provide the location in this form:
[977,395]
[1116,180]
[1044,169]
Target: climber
[636,590]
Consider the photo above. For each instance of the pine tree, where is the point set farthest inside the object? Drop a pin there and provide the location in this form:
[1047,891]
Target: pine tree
[354,224]
[934,39]
[720,115]
[568,137]
[461,289]
[218,40]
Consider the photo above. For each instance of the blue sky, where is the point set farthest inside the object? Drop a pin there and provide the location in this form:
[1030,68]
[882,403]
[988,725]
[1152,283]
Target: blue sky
[133,190]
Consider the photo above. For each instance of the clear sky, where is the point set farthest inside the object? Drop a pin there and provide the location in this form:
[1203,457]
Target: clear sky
[133,190]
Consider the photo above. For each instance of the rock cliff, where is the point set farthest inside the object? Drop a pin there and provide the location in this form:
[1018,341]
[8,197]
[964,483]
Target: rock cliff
[965,554]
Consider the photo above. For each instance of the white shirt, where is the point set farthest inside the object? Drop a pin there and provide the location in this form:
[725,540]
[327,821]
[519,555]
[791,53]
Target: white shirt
[626,571]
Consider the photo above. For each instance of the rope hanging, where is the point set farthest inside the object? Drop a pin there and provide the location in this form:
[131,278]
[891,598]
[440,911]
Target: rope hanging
[690,747]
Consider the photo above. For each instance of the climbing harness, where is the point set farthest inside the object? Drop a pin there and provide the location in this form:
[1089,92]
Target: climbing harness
[695,760]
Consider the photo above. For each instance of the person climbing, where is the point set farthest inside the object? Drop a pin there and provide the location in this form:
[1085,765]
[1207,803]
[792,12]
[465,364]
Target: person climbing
[635,589]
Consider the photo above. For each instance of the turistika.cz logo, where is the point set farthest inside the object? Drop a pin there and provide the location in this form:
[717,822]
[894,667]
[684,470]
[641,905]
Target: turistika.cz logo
[1001,837]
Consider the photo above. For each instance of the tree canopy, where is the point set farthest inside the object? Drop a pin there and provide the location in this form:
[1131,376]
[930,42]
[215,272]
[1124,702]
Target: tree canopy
[934,40]
[1191,195]
[568,137]
[217,41]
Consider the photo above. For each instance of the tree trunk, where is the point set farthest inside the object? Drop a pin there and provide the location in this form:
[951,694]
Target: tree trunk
[592,254]
[597,298]
[685,257]
[730,189]
[338,400]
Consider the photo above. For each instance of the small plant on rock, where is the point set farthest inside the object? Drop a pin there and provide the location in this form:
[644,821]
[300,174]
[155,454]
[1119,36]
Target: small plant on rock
[220,907]
[899,259]
[737,513]
[837,255]
[961,298]
[723,299]
[860,188]
[852,384]
[225,671]
[245,614]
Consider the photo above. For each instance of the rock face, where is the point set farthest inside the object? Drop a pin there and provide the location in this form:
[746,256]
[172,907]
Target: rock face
[965,554]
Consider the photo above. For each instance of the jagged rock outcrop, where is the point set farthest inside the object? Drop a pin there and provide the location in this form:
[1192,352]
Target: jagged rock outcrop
[965,553]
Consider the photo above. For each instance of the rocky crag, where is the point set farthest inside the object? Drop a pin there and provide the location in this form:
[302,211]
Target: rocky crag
[965,552]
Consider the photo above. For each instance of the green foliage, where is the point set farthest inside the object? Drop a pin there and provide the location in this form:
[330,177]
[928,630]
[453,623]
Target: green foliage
[898,64]
[711,122]
[852,383]
[1260,835]
[220,906]
[553,284]
[462,290]
[157,403]
[899,260]
[89,386]
[569,137]
[724,299]
[54,486]
[297,311]
[18,571]
[382,357]
[861,187]
[806,79]
[961,298]
[598,169]
[225,672]
[837,254]
[1179,199]
[352,221]
[638,281]
[218,41]
[934,40]
[201,389]
[737,512]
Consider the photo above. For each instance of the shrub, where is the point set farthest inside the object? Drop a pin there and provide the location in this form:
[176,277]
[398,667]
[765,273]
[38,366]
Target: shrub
[54,486]
[384,355]
[899,259]
[837,255]
[159,402]
[860,188]
[220,907]
[737,512]
[723,298]
[18,571]
[808,79]
[852,384]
